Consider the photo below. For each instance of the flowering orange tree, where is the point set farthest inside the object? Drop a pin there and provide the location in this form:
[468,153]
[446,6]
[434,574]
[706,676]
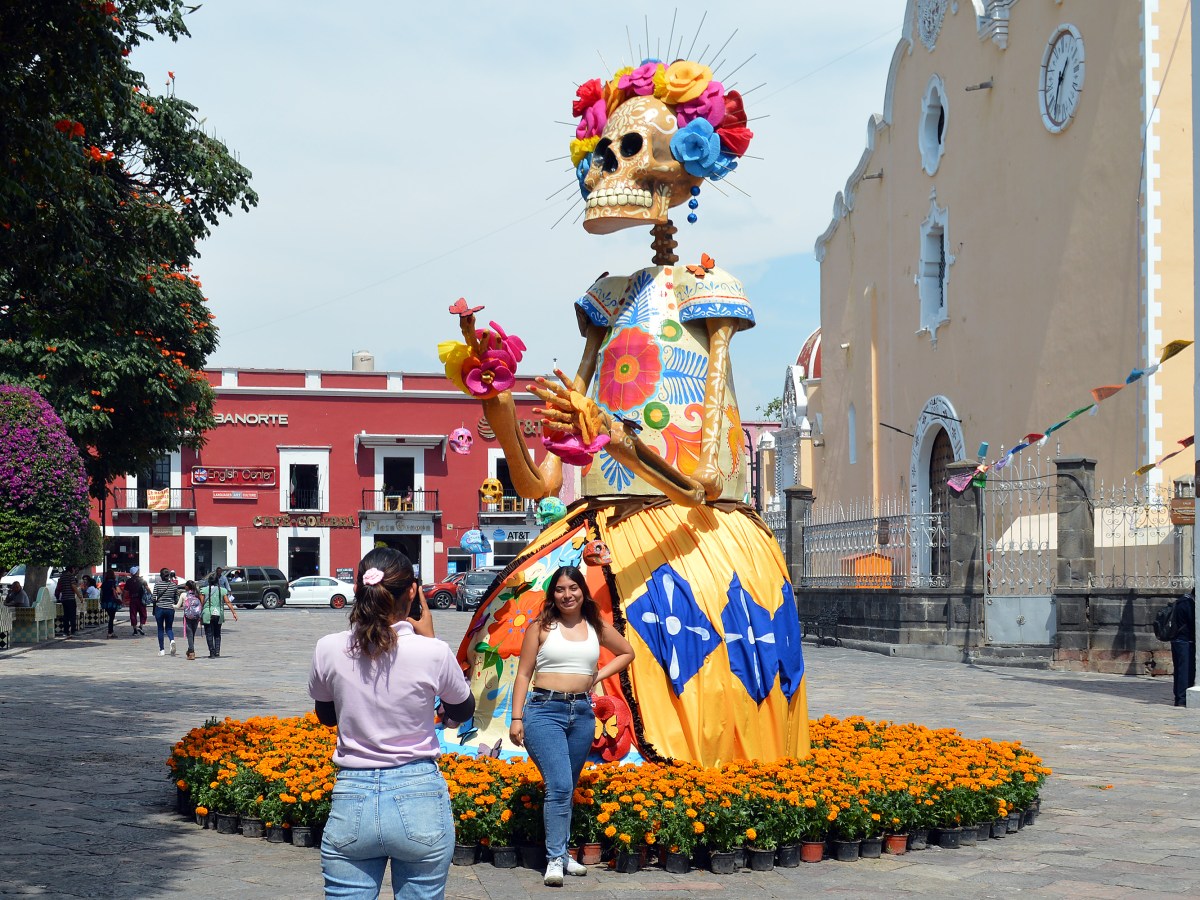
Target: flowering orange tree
[106,187]
[862,778]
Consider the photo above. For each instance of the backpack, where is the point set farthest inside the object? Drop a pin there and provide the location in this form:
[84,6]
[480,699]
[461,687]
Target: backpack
[1166,626]
[192,605]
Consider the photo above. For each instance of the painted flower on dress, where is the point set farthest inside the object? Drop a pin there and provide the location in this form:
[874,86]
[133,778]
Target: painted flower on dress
[630,371]
[512,619]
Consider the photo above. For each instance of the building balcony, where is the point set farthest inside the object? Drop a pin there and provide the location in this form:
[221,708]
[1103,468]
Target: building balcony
[388,501]
[132,503]
[305,501]
[508,507]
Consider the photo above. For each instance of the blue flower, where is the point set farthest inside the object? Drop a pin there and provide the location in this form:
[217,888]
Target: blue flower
[697,146]
[581,171]
[725,165]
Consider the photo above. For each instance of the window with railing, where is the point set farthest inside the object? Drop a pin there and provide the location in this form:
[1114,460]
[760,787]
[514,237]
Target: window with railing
[153,499]
[410,500]
[304,487]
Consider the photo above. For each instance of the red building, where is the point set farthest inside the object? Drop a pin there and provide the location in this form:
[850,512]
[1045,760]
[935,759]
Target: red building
[308,470]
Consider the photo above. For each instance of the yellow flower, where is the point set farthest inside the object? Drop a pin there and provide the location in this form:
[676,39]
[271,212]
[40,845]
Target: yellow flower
[681,81]
[581,148]
[751,834]
[698,827]
[454,354]
[610,831]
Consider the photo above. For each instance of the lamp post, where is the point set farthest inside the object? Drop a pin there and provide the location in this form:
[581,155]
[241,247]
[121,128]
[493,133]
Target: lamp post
[1193,694]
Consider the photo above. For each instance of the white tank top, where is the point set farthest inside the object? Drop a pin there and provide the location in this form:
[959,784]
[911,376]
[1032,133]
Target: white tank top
[563,657]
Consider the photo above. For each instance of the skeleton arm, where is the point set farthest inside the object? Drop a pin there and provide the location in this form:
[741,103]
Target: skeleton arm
[568,409]
[530,481]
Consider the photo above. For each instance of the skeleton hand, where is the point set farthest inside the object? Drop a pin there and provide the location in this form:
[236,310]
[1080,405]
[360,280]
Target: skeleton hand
[568,410]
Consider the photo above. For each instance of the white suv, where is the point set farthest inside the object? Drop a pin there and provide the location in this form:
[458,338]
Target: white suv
[17,573]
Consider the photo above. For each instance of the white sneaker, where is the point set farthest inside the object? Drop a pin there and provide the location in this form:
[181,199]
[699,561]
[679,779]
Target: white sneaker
[172,648]
[554,874]
[576,868]
[162,652]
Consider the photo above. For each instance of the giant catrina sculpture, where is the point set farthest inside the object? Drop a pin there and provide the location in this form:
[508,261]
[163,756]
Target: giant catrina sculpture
[689,574]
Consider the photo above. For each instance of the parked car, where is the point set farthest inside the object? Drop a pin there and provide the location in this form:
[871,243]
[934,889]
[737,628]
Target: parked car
[251,585]
[440,594]
[473,587]
[321,590]
[17,573]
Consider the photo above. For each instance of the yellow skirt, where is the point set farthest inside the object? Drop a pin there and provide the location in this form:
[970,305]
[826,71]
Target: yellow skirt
[703,596]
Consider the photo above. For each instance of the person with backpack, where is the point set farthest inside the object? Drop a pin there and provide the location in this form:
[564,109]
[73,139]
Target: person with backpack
[216,599]
[192,606]
[135,595]
[1183,646]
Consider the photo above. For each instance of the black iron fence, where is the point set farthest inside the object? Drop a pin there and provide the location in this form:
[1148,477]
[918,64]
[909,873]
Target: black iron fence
[400,501]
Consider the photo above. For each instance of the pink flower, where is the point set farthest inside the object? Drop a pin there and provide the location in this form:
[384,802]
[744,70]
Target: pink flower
[594,118]
[497,339]
[372,576]
[571,448]
[629,370]
[487,377]
[641,80]
[709,105]
[589,92]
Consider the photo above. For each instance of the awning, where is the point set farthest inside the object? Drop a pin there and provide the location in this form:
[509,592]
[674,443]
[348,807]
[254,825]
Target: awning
[427,441]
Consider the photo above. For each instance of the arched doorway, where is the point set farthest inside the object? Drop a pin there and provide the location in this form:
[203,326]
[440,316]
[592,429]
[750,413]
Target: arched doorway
[941,455]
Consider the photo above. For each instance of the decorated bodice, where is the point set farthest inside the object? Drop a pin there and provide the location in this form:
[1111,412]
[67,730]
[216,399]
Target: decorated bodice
[653,369]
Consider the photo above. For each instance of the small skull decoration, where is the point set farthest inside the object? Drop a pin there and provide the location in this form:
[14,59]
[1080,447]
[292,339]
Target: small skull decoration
[461,440]
[596,553]
[634,179]
[491,491]
[549,511]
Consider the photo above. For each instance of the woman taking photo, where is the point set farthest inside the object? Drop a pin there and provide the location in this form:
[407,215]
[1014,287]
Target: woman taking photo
[555,722]
[377,683]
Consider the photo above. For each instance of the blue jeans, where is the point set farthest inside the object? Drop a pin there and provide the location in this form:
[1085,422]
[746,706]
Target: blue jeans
[558,736]
[401,814]
[166,625]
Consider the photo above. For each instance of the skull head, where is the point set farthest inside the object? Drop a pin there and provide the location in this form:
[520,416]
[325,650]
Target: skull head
[549,510]
[634,179]
[596,553]
[461,440]
[491,491]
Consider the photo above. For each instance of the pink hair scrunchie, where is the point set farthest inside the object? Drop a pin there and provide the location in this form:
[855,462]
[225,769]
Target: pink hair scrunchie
[372,576]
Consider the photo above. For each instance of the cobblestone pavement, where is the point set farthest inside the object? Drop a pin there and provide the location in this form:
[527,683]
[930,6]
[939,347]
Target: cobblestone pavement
[86,809]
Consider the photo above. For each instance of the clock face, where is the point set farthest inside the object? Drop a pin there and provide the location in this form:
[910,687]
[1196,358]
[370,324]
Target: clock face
[1061,78]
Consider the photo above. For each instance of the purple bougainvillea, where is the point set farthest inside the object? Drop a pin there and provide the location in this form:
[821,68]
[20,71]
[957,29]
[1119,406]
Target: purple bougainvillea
[43,487]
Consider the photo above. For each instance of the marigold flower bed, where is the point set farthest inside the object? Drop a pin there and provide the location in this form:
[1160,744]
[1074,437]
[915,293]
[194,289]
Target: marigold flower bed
[862,779]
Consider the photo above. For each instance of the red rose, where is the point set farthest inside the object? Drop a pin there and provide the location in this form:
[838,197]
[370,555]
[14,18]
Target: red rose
[735,136]
[589,92]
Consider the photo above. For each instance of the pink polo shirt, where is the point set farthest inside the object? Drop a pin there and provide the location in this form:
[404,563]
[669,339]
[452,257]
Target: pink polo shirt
[385,709]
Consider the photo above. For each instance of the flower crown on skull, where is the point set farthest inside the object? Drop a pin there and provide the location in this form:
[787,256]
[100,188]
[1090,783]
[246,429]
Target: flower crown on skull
[712,133]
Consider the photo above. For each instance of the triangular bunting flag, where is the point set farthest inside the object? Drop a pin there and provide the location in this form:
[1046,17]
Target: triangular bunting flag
[1172,348]
[1105,391]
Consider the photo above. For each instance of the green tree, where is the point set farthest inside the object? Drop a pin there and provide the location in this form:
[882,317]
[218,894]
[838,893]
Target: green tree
[773,410]
[105,191]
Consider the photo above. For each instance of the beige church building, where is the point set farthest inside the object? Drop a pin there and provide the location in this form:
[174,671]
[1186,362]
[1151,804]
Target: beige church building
[1017,232]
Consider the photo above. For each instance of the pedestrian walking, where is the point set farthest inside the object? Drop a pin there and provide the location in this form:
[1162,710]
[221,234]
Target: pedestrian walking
[560,655]
[135,595]
[109,602]
[378,682]
[192,605]
[1183,646]
[166,595]
[67,593]
[216,601]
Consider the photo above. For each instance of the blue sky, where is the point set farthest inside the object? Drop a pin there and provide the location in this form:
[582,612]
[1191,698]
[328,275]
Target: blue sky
[402,162]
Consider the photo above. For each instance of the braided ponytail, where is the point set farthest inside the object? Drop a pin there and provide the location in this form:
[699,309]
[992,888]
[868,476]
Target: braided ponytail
[380,598]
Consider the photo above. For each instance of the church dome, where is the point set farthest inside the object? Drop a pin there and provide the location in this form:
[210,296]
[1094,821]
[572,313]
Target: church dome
[809,360]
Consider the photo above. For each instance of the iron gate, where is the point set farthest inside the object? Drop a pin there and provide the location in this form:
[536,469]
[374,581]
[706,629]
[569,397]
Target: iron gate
[1020,543]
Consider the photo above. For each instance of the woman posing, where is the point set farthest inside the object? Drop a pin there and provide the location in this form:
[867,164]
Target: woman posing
[166,595]
[377,683]
[561,655]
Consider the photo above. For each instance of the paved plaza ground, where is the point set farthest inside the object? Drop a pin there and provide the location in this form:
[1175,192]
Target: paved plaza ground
[86,809]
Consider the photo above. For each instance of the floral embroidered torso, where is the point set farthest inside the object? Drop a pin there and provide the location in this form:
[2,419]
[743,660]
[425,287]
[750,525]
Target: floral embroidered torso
[653,370]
